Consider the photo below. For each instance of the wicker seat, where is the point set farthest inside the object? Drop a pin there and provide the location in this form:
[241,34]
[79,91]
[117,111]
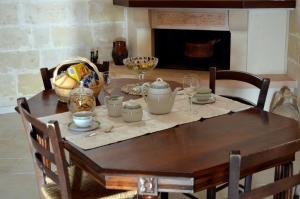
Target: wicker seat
[87,188]
[60,181]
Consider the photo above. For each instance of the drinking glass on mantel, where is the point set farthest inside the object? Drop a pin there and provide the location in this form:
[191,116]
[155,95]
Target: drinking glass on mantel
[189,86]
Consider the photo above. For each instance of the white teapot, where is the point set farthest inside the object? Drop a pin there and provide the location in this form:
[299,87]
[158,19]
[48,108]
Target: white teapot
[159,96]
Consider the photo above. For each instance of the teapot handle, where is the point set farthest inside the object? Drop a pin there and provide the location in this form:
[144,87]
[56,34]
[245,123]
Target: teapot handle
[106,99]
[176,90]
[147,84]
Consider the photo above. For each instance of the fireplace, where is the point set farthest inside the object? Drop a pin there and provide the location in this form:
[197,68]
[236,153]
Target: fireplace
[192,49]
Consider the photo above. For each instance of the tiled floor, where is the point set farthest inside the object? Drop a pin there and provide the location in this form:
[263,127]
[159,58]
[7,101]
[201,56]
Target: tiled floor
[17,180]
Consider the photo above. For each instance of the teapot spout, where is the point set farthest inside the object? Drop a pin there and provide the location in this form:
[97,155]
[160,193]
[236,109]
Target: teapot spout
[173,95]
[175,91]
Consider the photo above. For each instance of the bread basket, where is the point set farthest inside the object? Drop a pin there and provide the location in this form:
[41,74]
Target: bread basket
[63,92]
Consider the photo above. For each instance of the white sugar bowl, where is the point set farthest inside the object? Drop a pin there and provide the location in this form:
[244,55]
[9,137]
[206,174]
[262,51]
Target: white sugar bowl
[132,111]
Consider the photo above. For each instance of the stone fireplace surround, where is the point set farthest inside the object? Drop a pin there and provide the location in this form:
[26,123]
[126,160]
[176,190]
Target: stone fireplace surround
[258,36]
[258,42]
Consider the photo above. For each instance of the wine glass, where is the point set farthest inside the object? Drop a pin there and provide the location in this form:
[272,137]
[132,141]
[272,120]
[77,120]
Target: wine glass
[140,65]
[189,85]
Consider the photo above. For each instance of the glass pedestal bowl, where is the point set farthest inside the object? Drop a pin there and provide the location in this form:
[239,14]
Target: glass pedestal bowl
[140,65]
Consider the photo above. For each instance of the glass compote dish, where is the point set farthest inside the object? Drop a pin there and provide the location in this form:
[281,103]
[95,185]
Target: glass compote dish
[140,65]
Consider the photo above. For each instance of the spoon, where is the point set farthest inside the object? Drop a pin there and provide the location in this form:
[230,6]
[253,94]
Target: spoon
[106,130]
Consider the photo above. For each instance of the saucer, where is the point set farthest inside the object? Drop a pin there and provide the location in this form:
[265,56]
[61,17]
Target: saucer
[209,101]
[73,127]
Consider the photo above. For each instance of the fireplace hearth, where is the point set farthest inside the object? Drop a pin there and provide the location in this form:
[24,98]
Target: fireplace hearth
[192,49]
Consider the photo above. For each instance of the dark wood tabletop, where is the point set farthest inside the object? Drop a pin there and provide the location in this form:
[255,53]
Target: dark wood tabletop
[207,3]
[186,158]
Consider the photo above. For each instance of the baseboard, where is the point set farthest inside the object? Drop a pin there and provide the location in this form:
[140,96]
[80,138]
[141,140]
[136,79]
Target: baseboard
[7,109]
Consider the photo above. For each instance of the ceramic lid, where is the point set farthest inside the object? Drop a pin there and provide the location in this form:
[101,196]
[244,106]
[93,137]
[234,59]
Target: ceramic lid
[131,105]
[81,90]
[159,84]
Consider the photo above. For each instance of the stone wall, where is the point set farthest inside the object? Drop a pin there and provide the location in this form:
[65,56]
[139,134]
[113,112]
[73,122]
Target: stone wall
[294,45]
[42,33]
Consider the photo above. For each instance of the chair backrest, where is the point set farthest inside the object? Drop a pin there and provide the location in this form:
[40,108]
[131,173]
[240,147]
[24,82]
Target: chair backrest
[260,83]
[47,74]
[273,188]
[37,132]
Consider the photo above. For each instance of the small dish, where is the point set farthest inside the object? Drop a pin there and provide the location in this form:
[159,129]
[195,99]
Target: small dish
[72,126]
[209,101]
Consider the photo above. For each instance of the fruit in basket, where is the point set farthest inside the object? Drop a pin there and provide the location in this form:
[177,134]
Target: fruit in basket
[81,70]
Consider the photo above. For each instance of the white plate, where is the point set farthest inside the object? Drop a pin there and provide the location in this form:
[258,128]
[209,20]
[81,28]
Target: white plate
[209,101]
[94,126]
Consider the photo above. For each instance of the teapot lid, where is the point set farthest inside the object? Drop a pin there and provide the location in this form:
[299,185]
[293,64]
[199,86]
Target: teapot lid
[131,104]
[159,84]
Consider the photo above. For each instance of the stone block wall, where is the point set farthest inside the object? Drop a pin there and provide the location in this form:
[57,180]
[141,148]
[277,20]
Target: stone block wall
[294,45]
[43,33]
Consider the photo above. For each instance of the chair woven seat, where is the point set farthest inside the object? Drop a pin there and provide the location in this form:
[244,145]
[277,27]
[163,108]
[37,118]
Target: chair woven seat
[88,189]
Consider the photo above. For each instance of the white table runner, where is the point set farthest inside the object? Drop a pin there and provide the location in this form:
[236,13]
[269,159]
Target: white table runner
[149,124]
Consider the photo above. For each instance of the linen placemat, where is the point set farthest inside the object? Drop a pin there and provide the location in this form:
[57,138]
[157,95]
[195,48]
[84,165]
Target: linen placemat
[149,124]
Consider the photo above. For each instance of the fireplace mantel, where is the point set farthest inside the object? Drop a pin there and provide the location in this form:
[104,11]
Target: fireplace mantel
[207,3]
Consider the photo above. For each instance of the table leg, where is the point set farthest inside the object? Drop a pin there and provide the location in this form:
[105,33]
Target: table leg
[211,193]
[77,178]
[281,172]
[164,195]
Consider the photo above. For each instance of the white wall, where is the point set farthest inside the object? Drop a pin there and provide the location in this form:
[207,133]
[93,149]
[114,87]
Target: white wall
[267,41]
[43,33]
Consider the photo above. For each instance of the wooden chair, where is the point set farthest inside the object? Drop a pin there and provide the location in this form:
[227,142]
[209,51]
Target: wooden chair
[260,83]
[261,192]
[55,177]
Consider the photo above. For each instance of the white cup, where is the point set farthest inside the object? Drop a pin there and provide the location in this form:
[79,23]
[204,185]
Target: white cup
[83,119]
[114,105]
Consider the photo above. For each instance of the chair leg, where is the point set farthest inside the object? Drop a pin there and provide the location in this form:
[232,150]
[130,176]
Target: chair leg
[211,193]
[248,183]
[280,173]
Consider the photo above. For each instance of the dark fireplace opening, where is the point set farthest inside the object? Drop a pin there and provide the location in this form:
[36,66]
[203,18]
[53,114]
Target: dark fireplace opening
[192,49]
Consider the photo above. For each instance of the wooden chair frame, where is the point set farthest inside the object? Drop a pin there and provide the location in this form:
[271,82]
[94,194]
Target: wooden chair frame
[260,83]
[260,192]
[37,131]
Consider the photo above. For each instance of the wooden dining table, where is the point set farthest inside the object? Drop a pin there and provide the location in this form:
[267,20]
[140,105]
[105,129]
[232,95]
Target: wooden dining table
[186,158]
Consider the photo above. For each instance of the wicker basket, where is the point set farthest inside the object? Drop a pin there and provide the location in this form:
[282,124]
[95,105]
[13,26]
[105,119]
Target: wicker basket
[64,93]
